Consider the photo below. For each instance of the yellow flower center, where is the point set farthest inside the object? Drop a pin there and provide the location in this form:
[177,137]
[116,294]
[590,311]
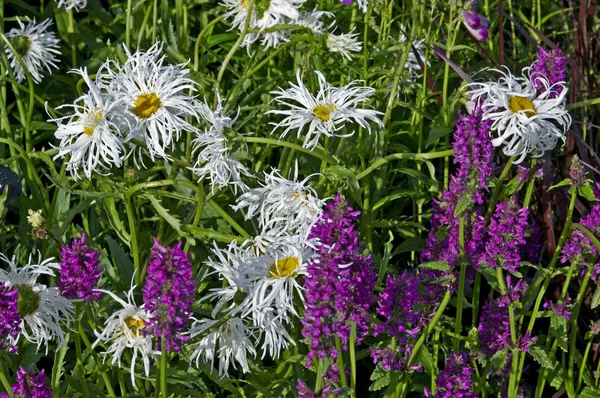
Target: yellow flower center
[94,116]
[284,268]
[323,112]
[134,324]
[146,105]
[517,104]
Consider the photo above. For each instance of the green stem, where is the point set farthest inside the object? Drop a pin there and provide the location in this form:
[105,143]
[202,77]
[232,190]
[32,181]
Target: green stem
[569,380]
[128,25]
[163,368]
[352,350]
[271,141]
[584,362]
[5,381]
[340,361]
[228,218]
[403,156]
[582,104]
[461,282]
[133,241]
[77,339]
[498,188]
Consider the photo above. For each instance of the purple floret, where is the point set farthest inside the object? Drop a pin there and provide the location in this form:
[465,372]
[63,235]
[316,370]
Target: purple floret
[79,271]
[30,384]
[10,322]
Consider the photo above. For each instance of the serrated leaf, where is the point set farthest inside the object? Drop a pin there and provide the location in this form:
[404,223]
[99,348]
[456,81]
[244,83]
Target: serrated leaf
[563,183]
[462,205]
[164,213]
[588,392]
[541,357]
[587,192]
[498,360]
[436,265]
[596,298]
[558,326]
[380,383]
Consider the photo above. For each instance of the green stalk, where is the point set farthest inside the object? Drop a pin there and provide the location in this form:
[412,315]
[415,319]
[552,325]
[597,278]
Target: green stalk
[569,380]
[340,361]
[128,25]
[271,141]
[403,156]
[513,378]
[71,30]
[584,362]
[228,218]
[5,381]
[461,282]
[163,368]
[320,374]
[352,350]
[498,189]
[77,339]
[133,244]
[199,39]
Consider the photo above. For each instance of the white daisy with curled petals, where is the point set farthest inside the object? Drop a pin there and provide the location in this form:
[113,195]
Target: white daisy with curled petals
[344,44]
[37,48]
[526,120]
[124,330]
[231,342]
[91,135]
[156,95]
[42,309]
[265,14]
[72,4]
[312,20]
[326,113]
[214,161]
[291,207]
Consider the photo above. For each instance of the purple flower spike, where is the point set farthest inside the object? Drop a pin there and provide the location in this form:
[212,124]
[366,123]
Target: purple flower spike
[30,385]
[551,66]
[340,286]
[169,295]
[79,271]
[456,380]
[477,24]
[10,322]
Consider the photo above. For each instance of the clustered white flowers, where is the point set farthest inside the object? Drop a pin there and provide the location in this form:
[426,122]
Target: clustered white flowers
[526,120]
[72,4]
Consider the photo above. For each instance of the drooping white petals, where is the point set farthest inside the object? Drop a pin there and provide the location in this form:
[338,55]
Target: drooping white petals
[344,44]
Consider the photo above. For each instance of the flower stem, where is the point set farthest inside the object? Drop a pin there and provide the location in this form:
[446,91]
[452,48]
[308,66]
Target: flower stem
[352,349]
[77,339]
[163,368]
[4,381]
[340,361]
[461,283]
[498,188]
[400,156]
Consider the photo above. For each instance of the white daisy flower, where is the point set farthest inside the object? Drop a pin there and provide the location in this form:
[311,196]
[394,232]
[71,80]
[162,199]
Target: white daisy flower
[214,159]
[312,20]
[230,342]
[273,334]
[91,135]
[155,95]
[72,4]
[123,329]
[275,276]
[344,44]
[324,114]
[265,14]
[37,48]
[290,207]
[527,120]
[42,309]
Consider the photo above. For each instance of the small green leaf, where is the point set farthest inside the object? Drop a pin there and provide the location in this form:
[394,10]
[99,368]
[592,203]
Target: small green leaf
[499,359]
[436,133]
[558,326]
[512,186]
[380,377]
[563,183]
[596,298]
[541,357]
[588,392]
[436,265]
[587,192]
[462,205]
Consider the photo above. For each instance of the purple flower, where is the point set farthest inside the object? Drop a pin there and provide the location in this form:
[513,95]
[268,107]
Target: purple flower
[456,380]
[169,295]
[477,24]
[79,271]
[576,172]
[506,236]
[551,66]
[30,385]
[494,327]
[400,306]
[560,309]
[579,248]
[10,322]
[340,283]
[346,2]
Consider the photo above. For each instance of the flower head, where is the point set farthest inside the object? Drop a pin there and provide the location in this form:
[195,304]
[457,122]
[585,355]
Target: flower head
[324,114]
[125,329]
[456,380]
[550,66]
[154,95]
[344,44]
[169,295]
[30,384]
[79,271]
[72,4]
[215,161]
[527,120]
[91,135]
[36,47]
[477,24]
[578,247]
[42,309]
[10,321]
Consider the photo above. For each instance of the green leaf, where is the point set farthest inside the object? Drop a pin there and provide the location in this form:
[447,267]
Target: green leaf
[588,392]
[512,186]
[563,183]
[499,359]
[436,133]
[542,357]
[462,205]
[490,276]
[340,173]
[558,326]
[436,265]
[596,298]
[426,359]
[164,213]
[587,192]
[120,260]
[380,378]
